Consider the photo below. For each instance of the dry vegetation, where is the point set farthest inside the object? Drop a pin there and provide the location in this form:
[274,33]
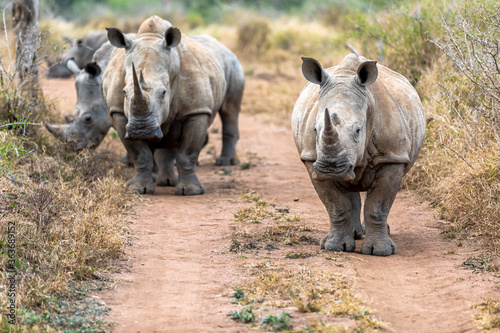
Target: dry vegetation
[65,214]
[69,208]
[288,292]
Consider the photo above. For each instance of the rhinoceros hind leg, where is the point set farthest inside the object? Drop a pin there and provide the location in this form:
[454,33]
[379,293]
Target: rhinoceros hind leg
[166,174]
[223,161]
[356,227]
[229,113]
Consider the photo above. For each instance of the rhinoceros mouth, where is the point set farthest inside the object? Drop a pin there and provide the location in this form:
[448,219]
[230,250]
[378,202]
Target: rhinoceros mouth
[144,134]
[324,170]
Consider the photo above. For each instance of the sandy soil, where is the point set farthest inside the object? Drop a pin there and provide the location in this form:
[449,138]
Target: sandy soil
[180,272]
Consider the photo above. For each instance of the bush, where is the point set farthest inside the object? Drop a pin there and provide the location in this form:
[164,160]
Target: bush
[458,166]
[472,42]
[399,38]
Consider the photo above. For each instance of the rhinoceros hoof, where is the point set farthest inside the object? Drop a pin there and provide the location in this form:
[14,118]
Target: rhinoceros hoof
[127,161]
[332,243]
[185,188]
[223,161]
[167,181]
[141,186]
[378,247]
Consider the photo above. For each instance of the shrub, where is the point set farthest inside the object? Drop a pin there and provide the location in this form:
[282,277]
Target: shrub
[399,38]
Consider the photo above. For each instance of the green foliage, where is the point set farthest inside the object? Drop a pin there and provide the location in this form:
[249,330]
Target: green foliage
[400,38]
[277,323]
[244,315]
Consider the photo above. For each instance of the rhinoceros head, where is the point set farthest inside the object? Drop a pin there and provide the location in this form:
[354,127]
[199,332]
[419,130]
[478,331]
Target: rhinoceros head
[151,67]
[341,119]
[90,121]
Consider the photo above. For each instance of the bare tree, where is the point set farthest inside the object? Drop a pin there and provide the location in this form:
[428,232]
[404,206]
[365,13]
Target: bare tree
[25,24]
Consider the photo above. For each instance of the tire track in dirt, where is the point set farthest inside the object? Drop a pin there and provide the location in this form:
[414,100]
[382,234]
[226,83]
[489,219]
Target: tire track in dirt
[179,266]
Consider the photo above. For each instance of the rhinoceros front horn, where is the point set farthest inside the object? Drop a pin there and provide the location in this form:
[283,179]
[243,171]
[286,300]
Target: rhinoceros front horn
[57,130]
[139,100]
[330,136]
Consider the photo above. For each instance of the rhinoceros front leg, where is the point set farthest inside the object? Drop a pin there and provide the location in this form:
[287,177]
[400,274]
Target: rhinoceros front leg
[344,211]
[166,174]
[230,132]
[141,156]
[194,132]
[379,199]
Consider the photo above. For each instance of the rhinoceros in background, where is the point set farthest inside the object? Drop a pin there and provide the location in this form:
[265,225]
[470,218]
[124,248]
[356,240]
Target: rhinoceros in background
[163,90]
[82,52]
[90,121]
[358,126]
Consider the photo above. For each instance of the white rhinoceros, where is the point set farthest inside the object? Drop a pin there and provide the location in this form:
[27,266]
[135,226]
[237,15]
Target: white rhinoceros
[358,126]
[162,90]
[82,52]
[90,121]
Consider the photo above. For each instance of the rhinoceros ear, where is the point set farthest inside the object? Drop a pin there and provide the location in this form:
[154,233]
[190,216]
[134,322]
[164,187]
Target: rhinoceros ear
[313,71]
[92,69]
[73,67]
[367,73]
[172,37]
[118,39]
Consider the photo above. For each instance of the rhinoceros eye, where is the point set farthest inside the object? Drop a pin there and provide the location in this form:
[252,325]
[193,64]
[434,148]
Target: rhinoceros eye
[315,130]
[87,118]
[357,131]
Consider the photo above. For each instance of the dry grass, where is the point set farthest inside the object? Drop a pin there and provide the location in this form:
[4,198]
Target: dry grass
[325,300]
[65,212]
[69,228]
[489,315]
[284,285]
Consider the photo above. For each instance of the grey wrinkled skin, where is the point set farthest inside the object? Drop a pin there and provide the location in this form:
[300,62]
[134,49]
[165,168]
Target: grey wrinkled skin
[90,121]
[358,127]
[163,90]
[82,52]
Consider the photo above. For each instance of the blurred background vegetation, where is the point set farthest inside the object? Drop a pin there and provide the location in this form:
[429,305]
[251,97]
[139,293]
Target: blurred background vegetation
[449,50]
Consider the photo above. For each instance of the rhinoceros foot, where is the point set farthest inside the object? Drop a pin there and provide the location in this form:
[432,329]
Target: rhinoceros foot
[189,187]
[224,160]
[127,161]
[141,185]
[338,243]
[378,245]
[363,231]
[359,230]
[167,180]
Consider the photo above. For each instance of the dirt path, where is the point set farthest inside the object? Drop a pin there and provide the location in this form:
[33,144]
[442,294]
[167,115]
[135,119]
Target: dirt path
[180,269]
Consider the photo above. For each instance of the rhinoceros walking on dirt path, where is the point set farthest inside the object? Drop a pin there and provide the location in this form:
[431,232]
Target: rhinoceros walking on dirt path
[163,90]
[358,126]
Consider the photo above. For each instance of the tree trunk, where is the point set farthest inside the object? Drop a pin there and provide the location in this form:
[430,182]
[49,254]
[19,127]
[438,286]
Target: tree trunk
[25,24]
